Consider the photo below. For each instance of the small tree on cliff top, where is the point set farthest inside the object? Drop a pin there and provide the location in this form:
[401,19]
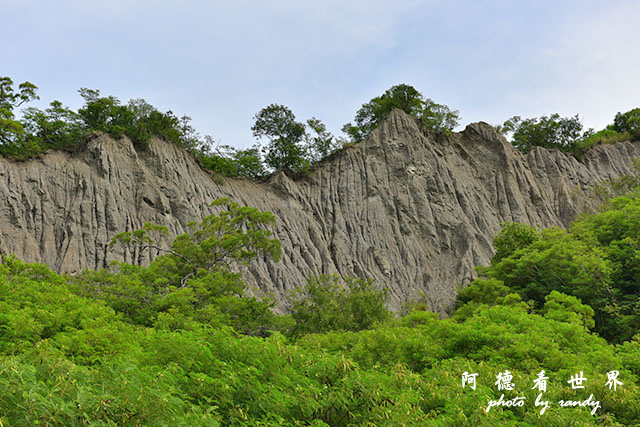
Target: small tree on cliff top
[435,116]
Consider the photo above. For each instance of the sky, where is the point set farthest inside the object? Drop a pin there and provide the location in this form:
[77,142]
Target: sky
[220,62]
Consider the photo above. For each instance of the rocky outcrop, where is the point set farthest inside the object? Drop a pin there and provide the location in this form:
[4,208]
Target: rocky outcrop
[414,210]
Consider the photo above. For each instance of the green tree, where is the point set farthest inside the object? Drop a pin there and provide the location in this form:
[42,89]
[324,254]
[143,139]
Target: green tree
[138,120]
[435,116]
[10,99]
[329,303]
[615,231]
[547,131]
[481,294]
[105,114]
[193,277]
[56,127]
[238,234]
[231,162]
[512,237]
[285,150]
[321,144]
[556,261]
[566,308]
[220,164]
[628,122]
[248,162]
[10,129]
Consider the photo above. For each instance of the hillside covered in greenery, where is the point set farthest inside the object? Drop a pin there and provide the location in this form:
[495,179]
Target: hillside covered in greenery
[179,343]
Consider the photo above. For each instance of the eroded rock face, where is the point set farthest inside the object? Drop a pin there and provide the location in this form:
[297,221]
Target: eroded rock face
[413,210]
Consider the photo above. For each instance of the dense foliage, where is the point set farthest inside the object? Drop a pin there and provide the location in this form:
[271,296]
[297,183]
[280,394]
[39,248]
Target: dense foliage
[11,129]
[194,277]
[567,134]
[291,146]
[285,150]
[67,360]
[179,343]
[628,122]
[58,127]
[435,116]
[598,261]
[547,131]
[330,304]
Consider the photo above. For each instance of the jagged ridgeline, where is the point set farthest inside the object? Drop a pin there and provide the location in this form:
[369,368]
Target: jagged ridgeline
[412,209]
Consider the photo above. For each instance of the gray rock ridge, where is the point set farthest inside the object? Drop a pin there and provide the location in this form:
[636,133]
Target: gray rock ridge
[411,209]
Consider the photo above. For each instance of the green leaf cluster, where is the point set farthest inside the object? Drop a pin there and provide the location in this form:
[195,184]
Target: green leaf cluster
[193,279]
[551,131]
[436,117]
[177,343]
[566,133]
[329,303]
[58,127]
[291,146]
[67,360]
[597,261]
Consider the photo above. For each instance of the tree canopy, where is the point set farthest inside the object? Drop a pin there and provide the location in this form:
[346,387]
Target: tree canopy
[285,149]
[329,303]
[551,131]
[10,129]
[435,116]
[567,134]
[628,122]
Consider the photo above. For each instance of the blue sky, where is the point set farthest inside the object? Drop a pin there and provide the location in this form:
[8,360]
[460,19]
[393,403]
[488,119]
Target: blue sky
[221,62]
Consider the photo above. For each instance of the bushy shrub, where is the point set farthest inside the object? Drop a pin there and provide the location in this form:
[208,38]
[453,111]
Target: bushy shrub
[435,116]
[328,303]
[550,131]
[597,262]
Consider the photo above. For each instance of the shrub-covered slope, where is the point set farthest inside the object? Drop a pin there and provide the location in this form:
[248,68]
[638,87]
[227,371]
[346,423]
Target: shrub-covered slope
[75,350]
[67,360]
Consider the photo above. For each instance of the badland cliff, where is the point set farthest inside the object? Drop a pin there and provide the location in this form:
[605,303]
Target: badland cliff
[411,209]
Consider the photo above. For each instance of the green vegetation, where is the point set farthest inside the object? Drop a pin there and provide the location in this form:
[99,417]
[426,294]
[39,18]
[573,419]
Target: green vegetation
[435,116]
[193,277]
[567,133]
[597,261]
[547,131]
[179,343]
[330,304]
[622,186]
[60,128]
[67,360]
[321,143]
[625,127]
[628,122]
[292,145]
[285,134]
[10,129]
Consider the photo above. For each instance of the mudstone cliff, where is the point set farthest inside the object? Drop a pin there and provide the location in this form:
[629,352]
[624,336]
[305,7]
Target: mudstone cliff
[411,209]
